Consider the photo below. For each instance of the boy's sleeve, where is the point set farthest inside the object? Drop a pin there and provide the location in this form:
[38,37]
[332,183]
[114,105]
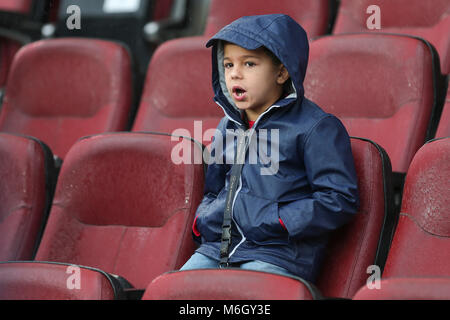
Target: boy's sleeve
[331,173]
[216,171]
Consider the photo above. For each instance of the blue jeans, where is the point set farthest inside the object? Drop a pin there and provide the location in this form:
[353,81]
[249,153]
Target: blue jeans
[200,261]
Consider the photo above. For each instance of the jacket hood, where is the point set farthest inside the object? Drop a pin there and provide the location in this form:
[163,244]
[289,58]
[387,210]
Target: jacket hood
[277,32]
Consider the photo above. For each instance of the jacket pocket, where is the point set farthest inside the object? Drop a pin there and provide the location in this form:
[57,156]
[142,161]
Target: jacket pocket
[210,217]
[259,220]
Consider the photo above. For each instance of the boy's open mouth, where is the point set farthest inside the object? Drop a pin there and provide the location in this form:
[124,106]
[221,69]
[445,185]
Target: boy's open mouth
[239,93]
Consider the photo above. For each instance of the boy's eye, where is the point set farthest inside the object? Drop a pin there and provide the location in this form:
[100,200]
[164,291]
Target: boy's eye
[228,65]
[250,63]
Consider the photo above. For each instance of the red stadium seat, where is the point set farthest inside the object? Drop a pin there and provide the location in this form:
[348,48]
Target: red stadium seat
[313,15]
[27,178]
[352,249]
[167,105]
[232,284]
[420,250]
[382,87]
[117,209]
[443,129]
[366,240]
[60,90]
[421,246]
[426,19]
[56,281]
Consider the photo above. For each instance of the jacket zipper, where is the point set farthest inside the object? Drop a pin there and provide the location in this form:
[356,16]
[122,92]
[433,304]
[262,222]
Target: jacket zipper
[240,178]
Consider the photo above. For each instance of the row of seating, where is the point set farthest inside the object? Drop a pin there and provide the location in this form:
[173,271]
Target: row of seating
[125,224]
[140,25]
[417,266]
[372,82]
[121,205]
[408,87]
[222,12]
[427,20]
[74,100]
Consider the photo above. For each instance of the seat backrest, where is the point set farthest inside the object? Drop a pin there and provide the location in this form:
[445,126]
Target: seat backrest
[364,241]
[443,129]
[178,91]
[313,15]
[427,19]
[27,177]
[421,244]
[59,90]
[382,87]
[123,205]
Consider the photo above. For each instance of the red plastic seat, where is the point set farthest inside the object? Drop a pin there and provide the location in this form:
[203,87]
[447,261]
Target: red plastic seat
[116,207]
[382,87]
[27,178]
[232,284]
[173,106]
[352,249]
[426,19]
[313,15]
[55,281]
[62,89]
[443,129]
[421,244]
[365,241]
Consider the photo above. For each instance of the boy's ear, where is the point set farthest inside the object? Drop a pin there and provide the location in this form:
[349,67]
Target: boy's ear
[283,75]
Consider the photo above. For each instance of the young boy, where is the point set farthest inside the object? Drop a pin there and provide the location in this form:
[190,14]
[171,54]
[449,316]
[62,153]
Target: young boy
[280,218]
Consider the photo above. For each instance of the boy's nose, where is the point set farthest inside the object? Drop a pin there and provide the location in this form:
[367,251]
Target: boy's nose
[236,73]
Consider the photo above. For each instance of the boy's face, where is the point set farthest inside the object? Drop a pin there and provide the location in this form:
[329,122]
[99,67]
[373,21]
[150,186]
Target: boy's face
[253,80]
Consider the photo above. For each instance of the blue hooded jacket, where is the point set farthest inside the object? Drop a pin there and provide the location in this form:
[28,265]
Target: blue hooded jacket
[308,181]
